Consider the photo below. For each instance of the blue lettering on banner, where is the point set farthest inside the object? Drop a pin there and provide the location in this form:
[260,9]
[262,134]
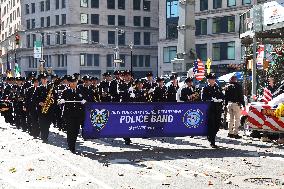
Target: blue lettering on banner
[136,120]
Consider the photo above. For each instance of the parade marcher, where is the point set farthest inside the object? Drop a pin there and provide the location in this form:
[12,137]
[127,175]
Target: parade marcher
[73,101]
[114,86]
[160,92]
[86,89]
[139,92]
[46,101]
[31,107]
[126,92]
[7,98]
[20,114]
[105,88]
[172,89]
[213,93]
[95,89]
[149,86]
[189,93]
[234,99]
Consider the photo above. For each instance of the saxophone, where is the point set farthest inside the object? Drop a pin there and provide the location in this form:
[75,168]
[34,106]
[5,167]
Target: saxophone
[48,101]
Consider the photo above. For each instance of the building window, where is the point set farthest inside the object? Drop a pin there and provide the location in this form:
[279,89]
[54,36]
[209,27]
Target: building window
[63,4]
[56,4]
[111,4]
[146,5]
[61,60]
[84,18]
[201,50]
[121,39]
[84,36]
[231,23]
[47,5]
[95,19]
[42,39]
[95,36]
[82,59]
[27,8]
[169,54]
[111,37]
[135,57]
[64,37]
[137,38]
[246,2]
[203,5]
[33,23]
[84,3]
[42,6]
[111,20]
[201,27]
[122,57]
[217,4]
[231,3]
[57,37]
[147,21]
[231,51]
[216,25]
[224,51]
[147,38]
[33,7]
[172,19]
[47,39]
[109,60]
[57,20]
[48,21]
[141,61]
[96,60]
[95,4]
[121,4]
[121,20]
[136,4]
[137,20]
[63,19]
[147,60]
[42,22]
[28,41]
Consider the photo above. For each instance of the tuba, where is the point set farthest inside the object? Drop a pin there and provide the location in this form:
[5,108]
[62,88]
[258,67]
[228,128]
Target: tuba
[48,101]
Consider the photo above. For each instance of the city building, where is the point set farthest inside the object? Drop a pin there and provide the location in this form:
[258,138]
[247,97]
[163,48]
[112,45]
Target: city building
[82,35]
[216,33]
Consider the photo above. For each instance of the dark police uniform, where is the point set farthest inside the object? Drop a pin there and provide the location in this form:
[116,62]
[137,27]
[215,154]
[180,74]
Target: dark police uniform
[160,93]
[209,93]
[73,115]
[172,91]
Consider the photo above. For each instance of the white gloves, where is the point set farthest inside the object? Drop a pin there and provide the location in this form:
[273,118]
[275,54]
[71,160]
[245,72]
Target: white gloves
[151,90]
[132,95]
[130,89]
[61,101]
[83,101]
[216,100]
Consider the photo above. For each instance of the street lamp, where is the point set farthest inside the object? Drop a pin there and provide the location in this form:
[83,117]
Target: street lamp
[131,56]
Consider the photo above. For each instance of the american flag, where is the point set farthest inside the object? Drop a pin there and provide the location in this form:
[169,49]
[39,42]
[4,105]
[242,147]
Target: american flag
[267,95]
[199,69]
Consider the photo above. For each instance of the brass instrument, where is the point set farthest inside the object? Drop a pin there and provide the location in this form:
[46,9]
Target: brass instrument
[195,96]
[97,97]
[48,101]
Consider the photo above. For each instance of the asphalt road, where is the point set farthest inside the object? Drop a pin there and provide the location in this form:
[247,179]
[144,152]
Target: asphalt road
[159,163]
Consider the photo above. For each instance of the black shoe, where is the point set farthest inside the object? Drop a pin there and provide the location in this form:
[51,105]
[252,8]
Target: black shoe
[231,135]
[72,151]
[45,141]
[213,146]
[237,136]
[127,142]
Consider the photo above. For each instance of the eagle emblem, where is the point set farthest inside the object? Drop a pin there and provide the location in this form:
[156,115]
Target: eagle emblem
[99,118]
[193,118]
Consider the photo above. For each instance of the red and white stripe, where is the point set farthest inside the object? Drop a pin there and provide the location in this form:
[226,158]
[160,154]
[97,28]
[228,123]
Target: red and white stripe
[257,120]
[201,70]
[267,95]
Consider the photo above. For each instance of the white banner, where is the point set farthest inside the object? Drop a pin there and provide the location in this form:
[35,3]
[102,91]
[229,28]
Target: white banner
[273,12]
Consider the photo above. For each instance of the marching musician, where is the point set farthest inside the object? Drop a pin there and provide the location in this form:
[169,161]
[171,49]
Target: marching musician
[74,113]
[114,86]
[139,92]
[46,101]
[31,107]
[172,89]
[105,87]
[188,93]
[213,93]
[86,89]
[95,88]
[6,97]
[160,92]
[126,92]
[149,86]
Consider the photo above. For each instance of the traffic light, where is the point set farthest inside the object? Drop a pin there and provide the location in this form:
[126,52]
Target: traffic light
[17,39]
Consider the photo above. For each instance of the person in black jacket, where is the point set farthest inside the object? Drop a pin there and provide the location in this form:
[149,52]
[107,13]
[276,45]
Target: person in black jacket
[74,113]
[45,119]
[139,92]
[234,99]
[160,92]
[172,89]
[213,93]
[188,94]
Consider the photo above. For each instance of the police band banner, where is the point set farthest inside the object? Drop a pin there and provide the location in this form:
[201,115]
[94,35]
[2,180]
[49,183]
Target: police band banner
[137,120]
